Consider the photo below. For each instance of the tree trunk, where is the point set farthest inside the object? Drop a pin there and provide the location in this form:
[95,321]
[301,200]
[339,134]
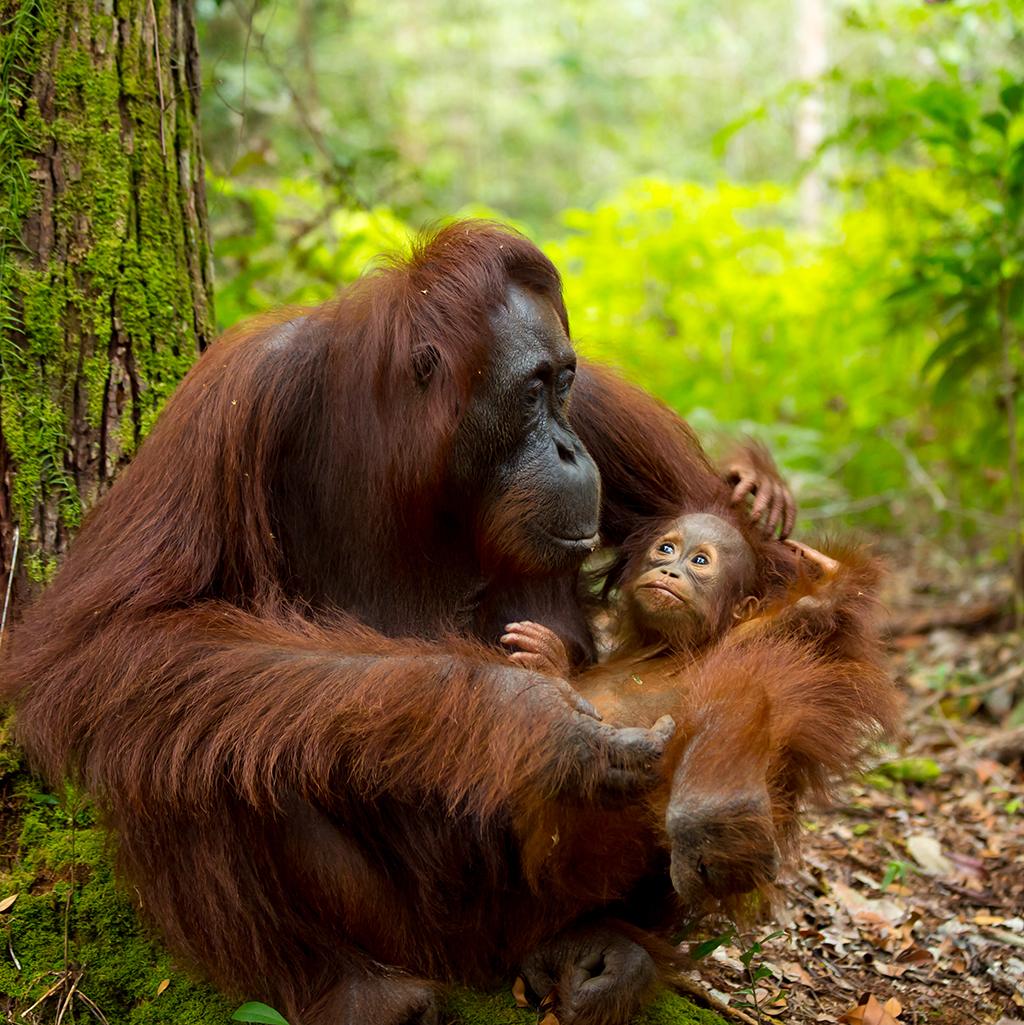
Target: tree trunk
[812,62]
[105,270]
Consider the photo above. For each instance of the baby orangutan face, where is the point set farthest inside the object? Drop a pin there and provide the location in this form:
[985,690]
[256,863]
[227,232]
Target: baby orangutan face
[693,582]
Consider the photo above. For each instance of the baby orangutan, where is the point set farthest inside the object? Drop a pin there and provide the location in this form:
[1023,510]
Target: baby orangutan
[766,657]
[709,618]
[693,584]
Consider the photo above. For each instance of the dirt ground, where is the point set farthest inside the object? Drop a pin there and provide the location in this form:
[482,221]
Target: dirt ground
[909,905]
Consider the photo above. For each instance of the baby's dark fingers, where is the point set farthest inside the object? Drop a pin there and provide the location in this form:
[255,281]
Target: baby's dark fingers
[516,639]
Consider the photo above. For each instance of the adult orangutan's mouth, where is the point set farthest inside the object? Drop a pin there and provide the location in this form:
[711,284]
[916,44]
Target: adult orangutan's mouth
[584,543]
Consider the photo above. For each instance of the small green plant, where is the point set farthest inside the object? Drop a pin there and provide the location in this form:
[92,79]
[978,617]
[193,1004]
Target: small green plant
[258,1013]
[756,972]
[895,872]
[750,958]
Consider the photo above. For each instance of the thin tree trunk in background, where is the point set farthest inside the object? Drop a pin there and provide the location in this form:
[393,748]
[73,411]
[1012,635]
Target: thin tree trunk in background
[105,271]
[1009,345]
[812,60]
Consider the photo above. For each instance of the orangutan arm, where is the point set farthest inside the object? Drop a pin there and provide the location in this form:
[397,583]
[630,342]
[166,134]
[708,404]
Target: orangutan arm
[189,700]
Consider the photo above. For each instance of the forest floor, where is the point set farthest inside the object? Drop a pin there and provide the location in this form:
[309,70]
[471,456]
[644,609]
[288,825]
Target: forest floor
[909,905]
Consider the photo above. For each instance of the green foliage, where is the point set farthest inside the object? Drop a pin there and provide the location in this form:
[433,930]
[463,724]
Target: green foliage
[878,356]
[711,298]
[289,245]
[962,272]
[71,926]
[259,1013]
[911,770]
[430,105]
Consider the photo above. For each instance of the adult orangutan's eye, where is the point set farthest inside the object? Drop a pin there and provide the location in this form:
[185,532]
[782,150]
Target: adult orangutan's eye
[666,548]
[700,559]
[534,392]
[565,379]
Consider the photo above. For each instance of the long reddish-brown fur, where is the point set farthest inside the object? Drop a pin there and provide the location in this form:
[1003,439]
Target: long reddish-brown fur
[783,707]
[312,812]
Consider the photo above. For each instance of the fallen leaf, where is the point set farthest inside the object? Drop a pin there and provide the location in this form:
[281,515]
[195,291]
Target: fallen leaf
[163,985]
[796,972]
[548,1019]
[873,910]
[891,971]
[519,992]
[927,852]
[869,1012]
[8,902]
[914,955]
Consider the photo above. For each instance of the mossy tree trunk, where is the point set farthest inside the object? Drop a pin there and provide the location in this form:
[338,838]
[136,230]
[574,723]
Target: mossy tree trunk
[105,271]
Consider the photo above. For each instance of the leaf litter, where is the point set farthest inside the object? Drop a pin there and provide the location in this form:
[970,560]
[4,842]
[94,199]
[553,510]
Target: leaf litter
[908,907]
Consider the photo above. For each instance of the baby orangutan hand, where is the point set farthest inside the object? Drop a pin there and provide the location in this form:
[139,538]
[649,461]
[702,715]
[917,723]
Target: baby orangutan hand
[537,648]
[827,565]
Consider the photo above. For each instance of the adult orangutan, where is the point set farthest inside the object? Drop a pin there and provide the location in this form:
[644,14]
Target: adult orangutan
[259,655]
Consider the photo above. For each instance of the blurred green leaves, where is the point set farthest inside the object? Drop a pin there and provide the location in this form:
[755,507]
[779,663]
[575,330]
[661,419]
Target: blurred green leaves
[880,357]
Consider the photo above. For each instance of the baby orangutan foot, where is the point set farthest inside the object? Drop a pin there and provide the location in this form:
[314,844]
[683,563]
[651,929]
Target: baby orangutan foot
[721,847]
[538,648]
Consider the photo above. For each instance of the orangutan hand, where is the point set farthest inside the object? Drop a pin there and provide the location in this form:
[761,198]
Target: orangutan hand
[752,471]
[826,564]
[538,648]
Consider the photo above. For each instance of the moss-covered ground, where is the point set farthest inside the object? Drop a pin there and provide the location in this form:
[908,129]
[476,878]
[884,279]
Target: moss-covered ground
[72,937]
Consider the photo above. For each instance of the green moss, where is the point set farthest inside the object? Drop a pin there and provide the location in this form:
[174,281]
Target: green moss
[118,257]
[468,1008]
[72,921]
[672,1009]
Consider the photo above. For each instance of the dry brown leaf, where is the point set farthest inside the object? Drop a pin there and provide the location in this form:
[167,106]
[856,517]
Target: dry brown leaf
[796,972]
[8,902]
[869,1012]
[914,955]
[893,1006]
[548,1019]
[519,992]
[163,985]
[891,971]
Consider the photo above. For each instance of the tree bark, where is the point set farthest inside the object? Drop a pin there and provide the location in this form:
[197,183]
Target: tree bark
[812,62]
[105,269]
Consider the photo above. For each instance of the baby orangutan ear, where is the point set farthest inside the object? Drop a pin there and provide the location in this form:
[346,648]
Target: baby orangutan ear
[746,608]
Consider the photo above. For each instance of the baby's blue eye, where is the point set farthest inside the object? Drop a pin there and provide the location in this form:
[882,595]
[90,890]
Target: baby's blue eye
[701,560]
[667,549]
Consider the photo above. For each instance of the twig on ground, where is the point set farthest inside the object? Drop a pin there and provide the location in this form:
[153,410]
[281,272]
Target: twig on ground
[694,989]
